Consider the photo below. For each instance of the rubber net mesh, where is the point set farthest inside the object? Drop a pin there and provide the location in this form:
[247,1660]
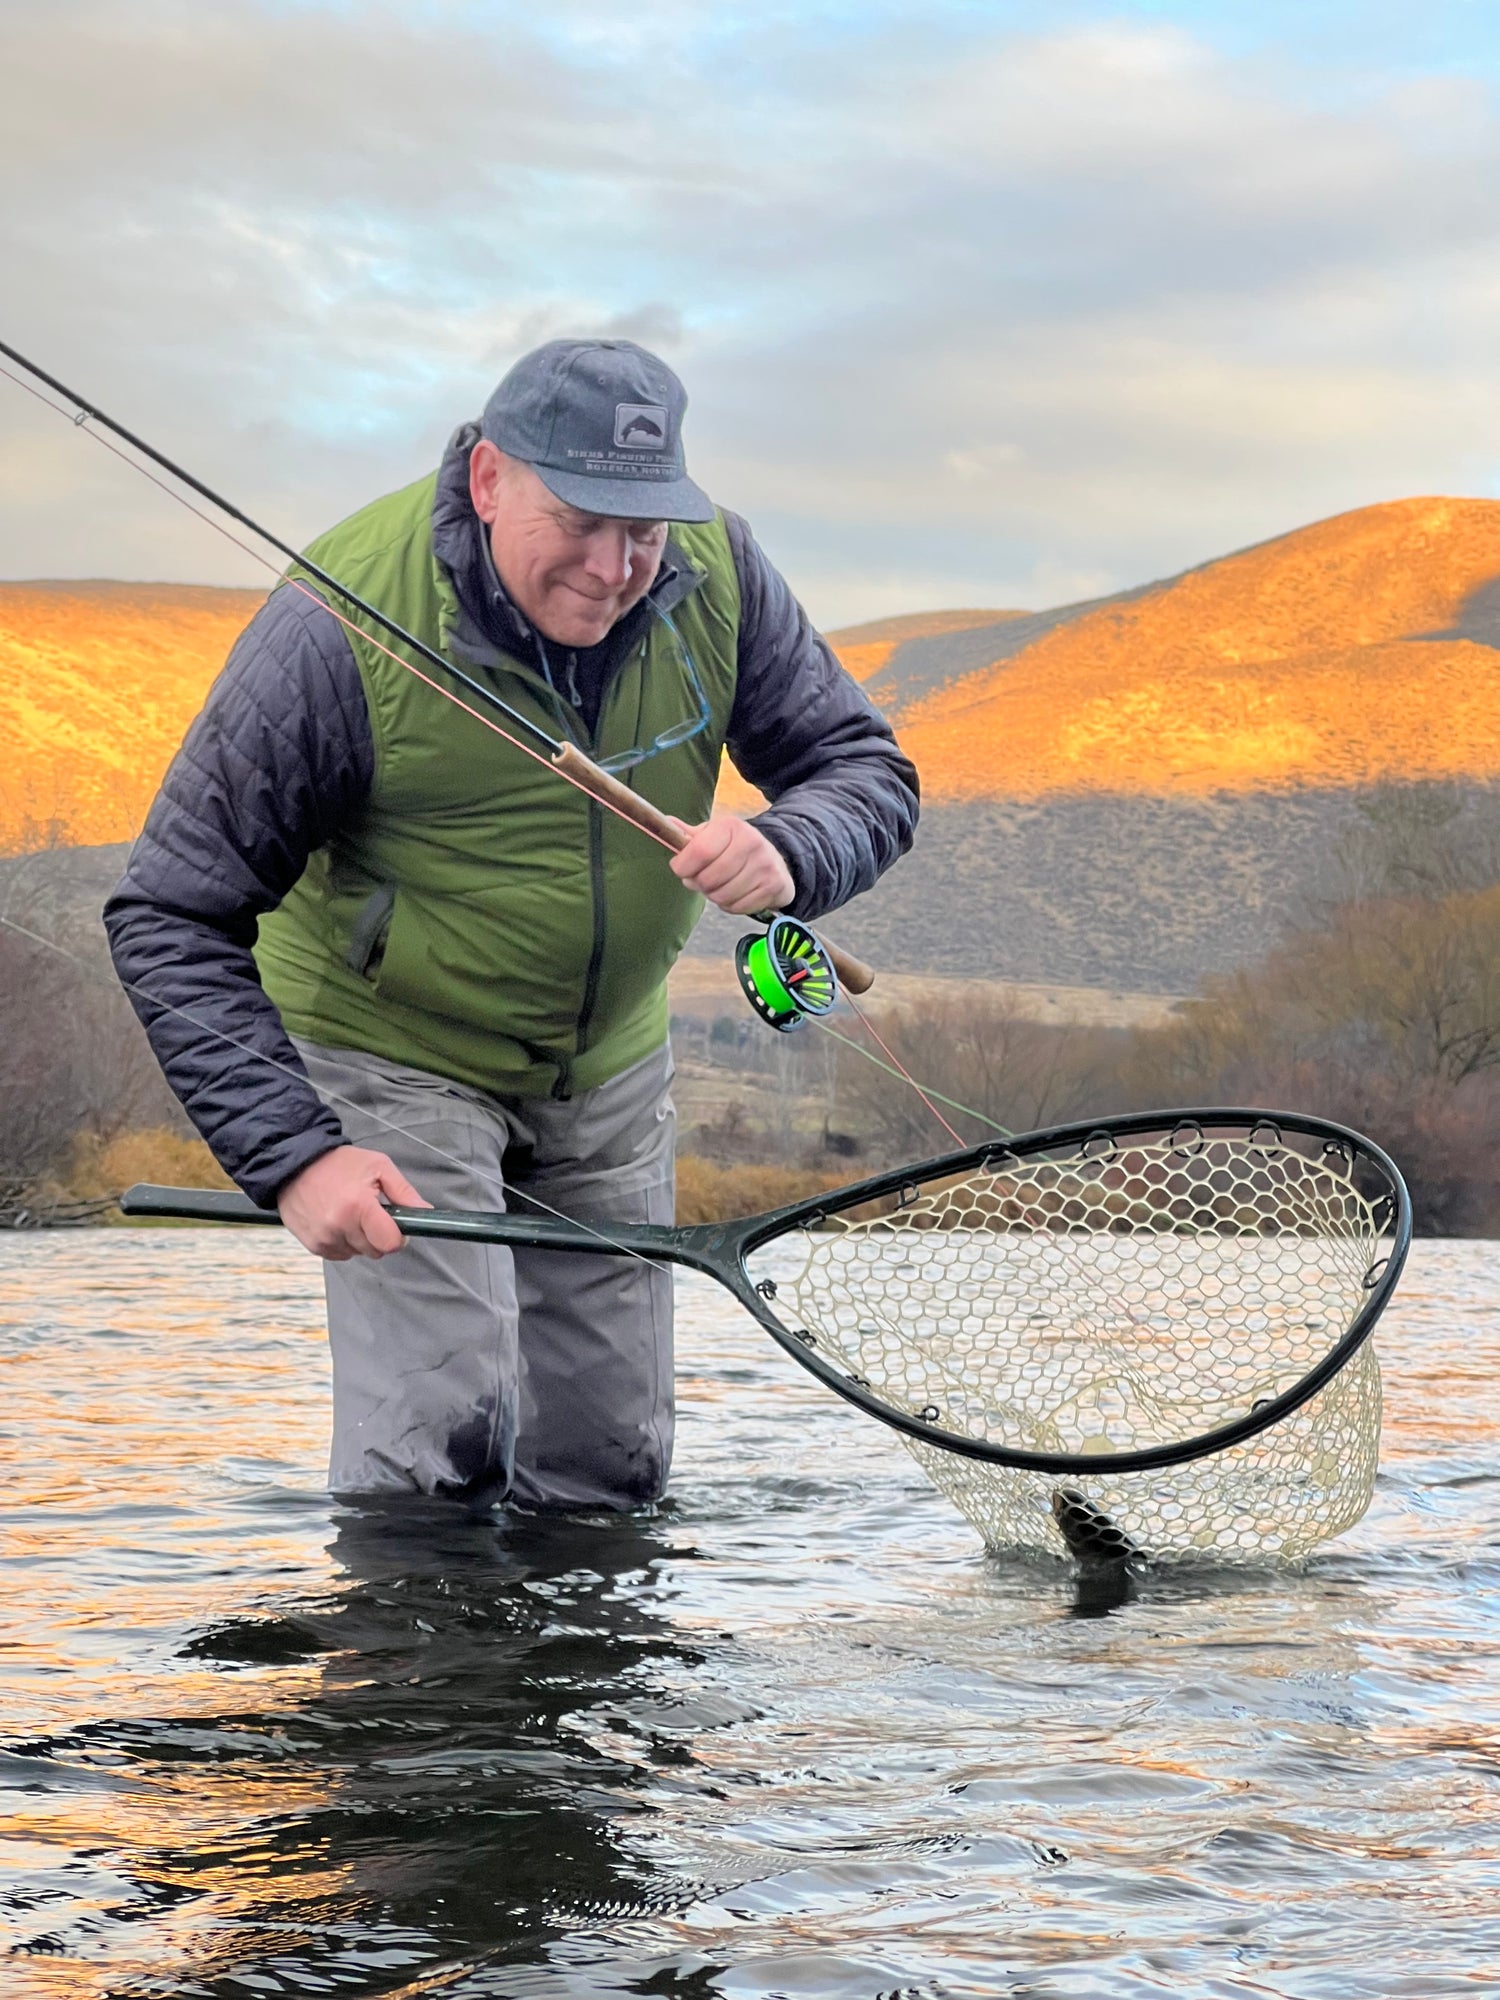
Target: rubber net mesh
[1096,1304]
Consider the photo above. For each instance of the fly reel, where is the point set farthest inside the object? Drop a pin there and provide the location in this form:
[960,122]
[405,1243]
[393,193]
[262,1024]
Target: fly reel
[786,975]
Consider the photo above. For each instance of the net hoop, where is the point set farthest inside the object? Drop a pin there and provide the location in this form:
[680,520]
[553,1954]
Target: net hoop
[1097,1142]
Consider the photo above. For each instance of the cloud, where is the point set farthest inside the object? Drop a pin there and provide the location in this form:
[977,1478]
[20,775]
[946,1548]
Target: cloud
[1069,300]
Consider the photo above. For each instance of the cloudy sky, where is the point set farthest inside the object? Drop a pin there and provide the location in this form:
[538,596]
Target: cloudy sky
[990,302]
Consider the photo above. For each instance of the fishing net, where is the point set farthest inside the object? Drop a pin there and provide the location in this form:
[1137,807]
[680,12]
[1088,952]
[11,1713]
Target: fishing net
[1147,1337]
[1114,1296]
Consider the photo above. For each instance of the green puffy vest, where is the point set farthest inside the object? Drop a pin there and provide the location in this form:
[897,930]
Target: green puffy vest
[480,917]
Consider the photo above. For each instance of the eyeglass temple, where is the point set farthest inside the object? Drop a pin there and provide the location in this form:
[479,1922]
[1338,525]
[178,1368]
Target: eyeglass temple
[680,732]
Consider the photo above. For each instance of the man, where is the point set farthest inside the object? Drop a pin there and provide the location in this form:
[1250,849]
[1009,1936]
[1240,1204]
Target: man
[407,963]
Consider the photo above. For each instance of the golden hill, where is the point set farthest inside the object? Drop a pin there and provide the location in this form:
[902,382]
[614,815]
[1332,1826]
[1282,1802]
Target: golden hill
[1341,654]
[1330,657]
[102,679]
[99,682]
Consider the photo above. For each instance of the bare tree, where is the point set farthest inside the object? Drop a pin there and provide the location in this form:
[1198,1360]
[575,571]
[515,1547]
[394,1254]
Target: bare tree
[1428,841]
[1405,985]
[73,1060]
[975,1051]
[1387,1019]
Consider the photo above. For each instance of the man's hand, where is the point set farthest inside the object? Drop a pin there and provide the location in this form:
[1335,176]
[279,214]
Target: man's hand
[735,866]
[333,1207]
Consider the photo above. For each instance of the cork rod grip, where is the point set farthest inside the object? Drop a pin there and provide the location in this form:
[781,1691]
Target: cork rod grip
[853,974]
[581,770]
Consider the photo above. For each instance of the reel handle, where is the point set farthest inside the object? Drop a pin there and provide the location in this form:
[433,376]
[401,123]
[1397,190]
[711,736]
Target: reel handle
[853,973]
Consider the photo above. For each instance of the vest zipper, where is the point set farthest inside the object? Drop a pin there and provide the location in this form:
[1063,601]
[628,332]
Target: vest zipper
[596,956]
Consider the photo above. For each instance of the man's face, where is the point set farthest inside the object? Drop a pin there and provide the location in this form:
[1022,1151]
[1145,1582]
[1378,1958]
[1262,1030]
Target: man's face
[572,575]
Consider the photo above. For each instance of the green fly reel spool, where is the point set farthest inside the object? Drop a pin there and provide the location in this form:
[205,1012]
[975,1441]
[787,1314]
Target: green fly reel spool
[786,975]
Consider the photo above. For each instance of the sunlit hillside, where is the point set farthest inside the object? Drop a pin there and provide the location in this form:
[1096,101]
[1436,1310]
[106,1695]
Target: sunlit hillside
[1355,650]
[1347,653]
[97,683]
[100,680]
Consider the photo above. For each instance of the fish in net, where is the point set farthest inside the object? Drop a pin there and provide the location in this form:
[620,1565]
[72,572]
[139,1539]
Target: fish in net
[1274,1498]
[1115,1296]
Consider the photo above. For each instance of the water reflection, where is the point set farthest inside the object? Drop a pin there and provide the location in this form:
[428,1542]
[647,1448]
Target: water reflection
[466,1663]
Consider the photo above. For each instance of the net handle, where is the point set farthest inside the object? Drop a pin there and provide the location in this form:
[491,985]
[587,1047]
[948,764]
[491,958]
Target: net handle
[853,974]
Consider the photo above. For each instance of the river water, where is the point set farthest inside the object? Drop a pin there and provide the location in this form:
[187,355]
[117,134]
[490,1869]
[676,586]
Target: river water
[793,1734]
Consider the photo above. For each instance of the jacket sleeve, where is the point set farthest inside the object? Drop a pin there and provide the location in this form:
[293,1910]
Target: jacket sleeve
[280,753]
[844,799]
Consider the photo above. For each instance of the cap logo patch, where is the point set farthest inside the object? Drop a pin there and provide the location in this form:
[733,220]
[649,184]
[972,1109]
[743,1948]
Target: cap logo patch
[640,426]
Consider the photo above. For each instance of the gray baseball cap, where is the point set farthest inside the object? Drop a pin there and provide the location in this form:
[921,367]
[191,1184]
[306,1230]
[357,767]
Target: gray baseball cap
[600,423]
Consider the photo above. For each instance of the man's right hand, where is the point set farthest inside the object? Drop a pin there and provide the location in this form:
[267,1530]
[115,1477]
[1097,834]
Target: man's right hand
[334,1206]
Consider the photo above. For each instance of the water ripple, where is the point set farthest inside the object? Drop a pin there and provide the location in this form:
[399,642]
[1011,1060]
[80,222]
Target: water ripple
[789,1734]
